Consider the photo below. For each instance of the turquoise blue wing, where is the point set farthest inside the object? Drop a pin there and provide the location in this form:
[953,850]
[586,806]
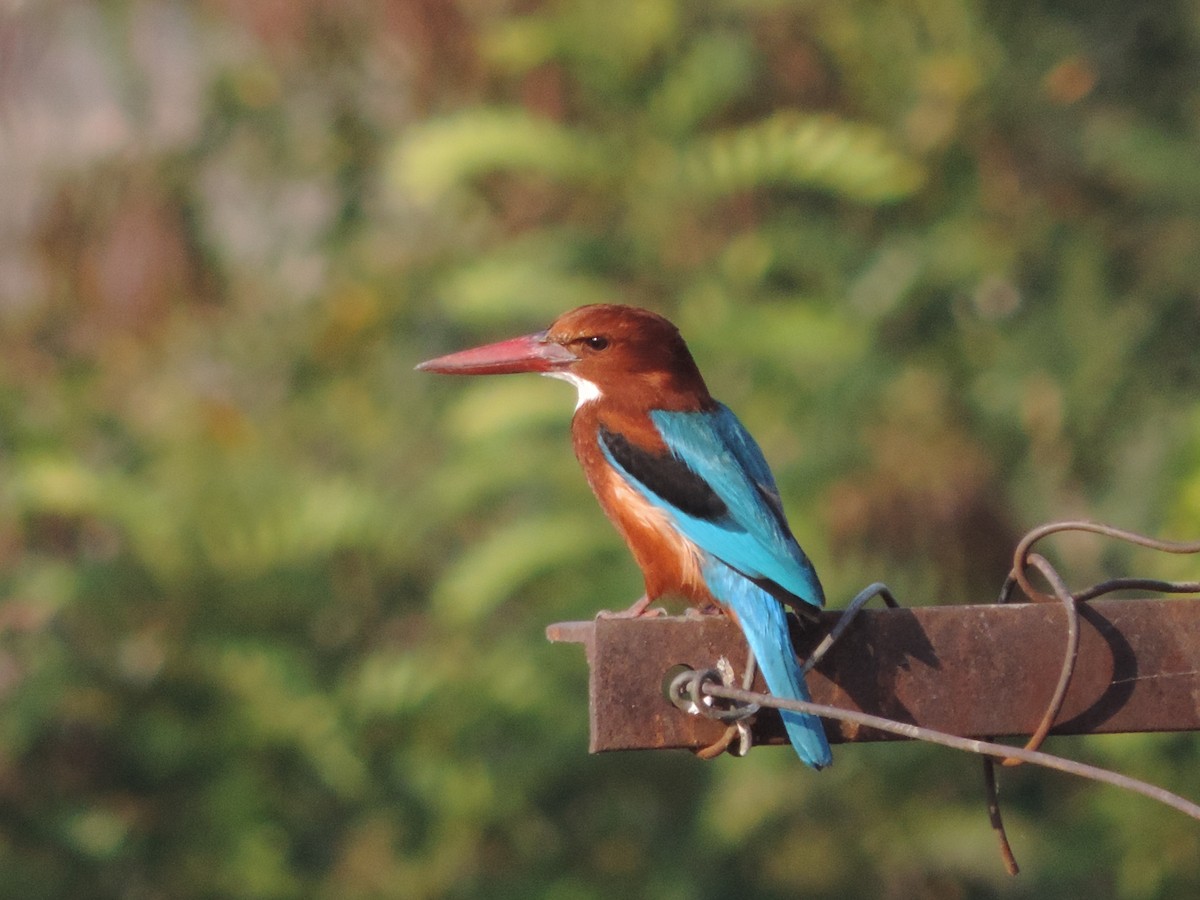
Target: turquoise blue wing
[720,494]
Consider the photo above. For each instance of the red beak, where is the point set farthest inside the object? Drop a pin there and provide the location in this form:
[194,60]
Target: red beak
[532,353]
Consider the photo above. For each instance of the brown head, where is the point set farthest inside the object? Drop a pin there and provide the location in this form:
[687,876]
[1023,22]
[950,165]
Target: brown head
[629,356]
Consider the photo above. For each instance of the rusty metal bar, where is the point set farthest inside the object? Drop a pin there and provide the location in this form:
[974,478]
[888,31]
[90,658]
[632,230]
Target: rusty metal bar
[966,670]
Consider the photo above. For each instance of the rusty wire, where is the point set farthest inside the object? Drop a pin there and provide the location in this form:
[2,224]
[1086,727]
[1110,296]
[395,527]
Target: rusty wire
[712,686]
[861,599]
[1105,587]
[996,819]
[1071,650]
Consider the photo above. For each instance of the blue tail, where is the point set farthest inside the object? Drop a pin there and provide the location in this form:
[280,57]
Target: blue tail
[764,622]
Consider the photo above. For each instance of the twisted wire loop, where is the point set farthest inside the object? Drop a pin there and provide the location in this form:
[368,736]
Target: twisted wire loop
[1024,559]
[686,692]
[1105,587]
[1070,652]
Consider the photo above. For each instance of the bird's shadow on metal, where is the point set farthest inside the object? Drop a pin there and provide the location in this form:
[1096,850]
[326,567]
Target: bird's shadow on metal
[862,669]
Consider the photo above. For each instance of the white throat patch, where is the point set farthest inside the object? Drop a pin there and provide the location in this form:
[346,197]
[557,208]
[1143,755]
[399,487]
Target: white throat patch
[587,389]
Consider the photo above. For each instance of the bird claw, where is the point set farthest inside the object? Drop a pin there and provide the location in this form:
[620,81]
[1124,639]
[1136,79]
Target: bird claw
[638,610]
[745,739]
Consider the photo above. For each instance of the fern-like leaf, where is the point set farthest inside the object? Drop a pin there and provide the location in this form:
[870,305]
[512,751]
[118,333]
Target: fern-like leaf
[443,154]
[847,159]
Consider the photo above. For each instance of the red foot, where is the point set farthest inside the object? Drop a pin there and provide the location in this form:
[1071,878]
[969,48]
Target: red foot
[637,611]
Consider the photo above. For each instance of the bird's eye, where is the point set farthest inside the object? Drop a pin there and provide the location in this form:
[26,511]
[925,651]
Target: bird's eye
[597,342]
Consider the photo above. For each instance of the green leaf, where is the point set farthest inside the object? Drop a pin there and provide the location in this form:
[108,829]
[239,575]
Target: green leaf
[824,152]
[440,155]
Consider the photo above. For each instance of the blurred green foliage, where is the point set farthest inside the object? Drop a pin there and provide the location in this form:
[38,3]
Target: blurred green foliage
[271,604]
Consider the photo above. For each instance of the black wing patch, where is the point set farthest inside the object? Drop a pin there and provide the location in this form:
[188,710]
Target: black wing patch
[775,505]
[667,476]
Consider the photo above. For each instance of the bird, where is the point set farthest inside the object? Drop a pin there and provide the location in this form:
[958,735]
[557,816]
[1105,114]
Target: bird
[680,477]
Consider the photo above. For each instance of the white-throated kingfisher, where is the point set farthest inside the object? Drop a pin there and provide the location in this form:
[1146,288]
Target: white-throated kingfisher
[684,483]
